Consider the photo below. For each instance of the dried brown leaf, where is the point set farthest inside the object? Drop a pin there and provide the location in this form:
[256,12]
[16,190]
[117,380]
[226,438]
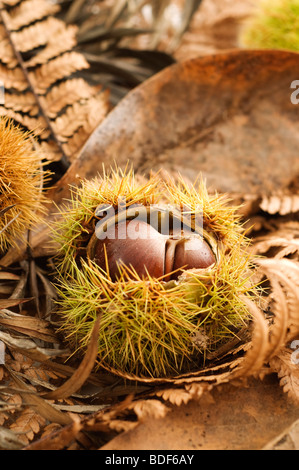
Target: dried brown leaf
[119,425]
[285,364]
[7,55]
[30,28]
[60,41]
[287,440]
[39,125]
[281,246]
[6,303]
[49,150]
[195,390]
[29,348]
[193,146]
[9,440]
[286,272]
[279,328]
[95,111]
[81,115]
[59,439]
[259,349]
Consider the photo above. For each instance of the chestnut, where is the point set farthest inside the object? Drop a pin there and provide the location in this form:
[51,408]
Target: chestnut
[137,244]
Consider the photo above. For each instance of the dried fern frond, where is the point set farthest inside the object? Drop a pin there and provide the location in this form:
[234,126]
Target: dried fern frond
[39,69]
[21,181]
[277,317]
[28,12]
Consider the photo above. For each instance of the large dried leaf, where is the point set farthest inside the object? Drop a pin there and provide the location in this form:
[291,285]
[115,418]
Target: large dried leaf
[228,116]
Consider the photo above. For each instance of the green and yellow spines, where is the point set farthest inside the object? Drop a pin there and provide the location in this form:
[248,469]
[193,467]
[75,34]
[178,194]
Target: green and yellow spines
[149,327]
[274,24]
[21,182]
[111,188]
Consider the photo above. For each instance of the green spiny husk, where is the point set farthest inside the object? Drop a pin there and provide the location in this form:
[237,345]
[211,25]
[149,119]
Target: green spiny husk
[22,202]
[150,327]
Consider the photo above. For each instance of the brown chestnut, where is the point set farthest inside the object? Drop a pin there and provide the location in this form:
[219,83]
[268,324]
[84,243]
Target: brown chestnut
[137,244]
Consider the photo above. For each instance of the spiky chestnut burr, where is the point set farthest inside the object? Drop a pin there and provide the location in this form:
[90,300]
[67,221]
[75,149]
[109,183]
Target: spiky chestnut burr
[21,179]
[161,312]
[273,24]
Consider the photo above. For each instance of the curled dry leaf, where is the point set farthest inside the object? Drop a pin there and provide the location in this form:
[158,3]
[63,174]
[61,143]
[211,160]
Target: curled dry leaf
[57,439]
[275,245]
[7,303]
[9,440]
[287,440]
[83,371]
